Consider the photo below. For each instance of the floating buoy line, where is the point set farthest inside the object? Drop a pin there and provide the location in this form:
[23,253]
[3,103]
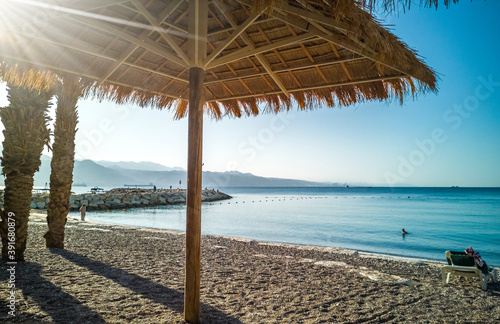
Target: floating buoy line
[269,199]
[284,199]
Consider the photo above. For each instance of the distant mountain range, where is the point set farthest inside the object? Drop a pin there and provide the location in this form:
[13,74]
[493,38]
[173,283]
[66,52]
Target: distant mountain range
[146,166]
[118,174]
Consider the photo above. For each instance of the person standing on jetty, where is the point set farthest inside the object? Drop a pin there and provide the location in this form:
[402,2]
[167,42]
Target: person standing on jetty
[83,210]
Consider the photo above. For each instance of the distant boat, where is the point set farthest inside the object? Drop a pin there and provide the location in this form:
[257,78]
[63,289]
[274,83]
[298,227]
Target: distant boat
[79,184]
[138,185]
[39,190]
[96,189]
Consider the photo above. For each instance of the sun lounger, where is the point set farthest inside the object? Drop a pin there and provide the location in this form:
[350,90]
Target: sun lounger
[460,264]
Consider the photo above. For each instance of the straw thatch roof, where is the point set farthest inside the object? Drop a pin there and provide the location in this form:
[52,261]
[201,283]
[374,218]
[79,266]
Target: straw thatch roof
[320,52]
[395,5]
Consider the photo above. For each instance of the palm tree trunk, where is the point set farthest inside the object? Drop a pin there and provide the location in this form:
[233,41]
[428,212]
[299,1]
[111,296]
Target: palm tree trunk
[63,159]
[17,201]
[25,134]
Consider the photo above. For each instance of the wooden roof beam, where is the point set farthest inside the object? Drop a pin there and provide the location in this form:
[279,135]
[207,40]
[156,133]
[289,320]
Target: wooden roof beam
[226,30]
[249,42]
[171,80]
[344,67]
[197,40]
[309,56]
[179,29]
[298,68]
[236,33]
[82,6]
[143,42]
[76,5]
[230,29]
[312,15]
[334,48]
[230,68]
[325,30]
[275,51]
[315,18]
[78,8]
[251,50]
[165,14]
[280,57]
[118,62]
[217,77]
[169,9]
[374,57]
[284,6]
[79,46]
[306,25]
[319,26]
[339,40]
[131,48]
[163,33]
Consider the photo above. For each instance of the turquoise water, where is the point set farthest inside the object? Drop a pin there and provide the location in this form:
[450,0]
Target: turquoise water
[366,219]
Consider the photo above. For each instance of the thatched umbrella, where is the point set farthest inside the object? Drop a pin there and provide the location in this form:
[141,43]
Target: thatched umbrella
[219,57]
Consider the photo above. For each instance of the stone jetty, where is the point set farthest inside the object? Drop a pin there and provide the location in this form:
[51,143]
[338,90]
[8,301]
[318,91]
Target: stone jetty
[121,198]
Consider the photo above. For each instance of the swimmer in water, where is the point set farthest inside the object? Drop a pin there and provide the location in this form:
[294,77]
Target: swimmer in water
[404,232]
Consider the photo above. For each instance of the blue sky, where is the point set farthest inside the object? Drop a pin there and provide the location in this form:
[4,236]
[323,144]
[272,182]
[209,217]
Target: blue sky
[444,139]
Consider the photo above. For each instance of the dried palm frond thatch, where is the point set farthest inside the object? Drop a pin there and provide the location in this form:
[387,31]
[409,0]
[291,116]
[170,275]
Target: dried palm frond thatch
[262,56]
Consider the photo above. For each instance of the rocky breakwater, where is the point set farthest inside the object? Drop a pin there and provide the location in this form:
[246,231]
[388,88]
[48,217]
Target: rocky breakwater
[121,198]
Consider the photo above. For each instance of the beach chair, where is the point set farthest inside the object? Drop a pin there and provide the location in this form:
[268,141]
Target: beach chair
[460,264]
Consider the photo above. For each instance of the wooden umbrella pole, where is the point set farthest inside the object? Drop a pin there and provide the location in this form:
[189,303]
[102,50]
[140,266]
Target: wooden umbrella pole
[193,198]
[197,50]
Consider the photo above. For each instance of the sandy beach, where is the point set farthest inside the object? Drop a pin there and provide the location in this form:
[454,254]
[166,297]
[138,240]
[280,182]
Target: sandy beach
[117,274]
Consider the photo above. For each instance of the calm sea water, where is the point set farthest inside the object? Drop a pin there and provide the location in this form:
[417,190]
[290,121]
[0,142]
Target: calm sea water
[366,219]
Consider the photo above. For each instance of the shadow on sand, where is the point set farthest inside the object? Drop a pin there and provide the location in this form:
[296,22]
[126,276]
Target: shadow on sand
[158,293]
[52,299]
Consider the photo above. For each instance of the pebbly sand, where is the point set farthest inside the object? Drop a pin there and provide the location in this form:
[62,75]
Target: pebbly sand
[117,274]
